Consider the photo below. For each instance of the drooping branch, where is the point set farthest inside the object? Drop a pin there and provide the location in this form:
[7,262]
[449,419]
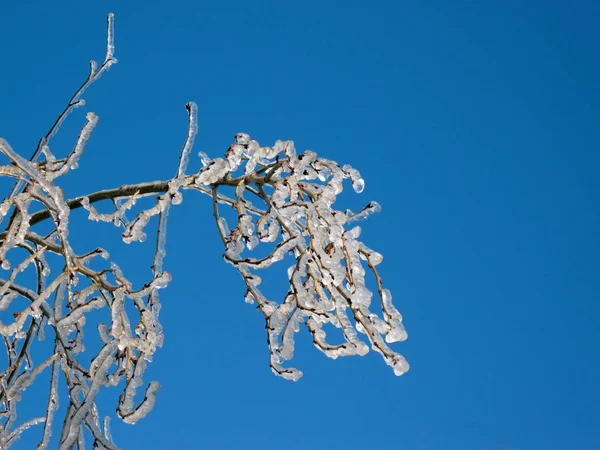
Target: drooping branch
[293,221]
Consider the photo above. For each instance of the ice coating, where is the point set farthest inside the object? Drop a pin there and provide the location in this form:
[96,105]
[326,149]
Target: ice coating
[284,214]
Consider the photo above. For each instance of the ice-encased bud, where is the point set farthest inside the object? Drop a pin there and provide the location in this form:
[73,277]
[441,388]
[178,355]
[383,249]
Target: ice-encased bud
[177,198]
[358,185]
[242,139]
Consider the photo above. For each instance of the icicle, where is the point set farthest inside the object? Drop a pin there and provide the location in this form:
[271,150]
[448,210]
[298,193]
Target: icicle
[107,433]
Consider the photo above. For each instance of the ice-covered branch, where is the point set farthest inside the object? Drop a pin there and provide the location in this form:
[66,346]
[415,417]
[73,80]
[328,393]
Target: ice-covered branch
[76,100]
[327,280]
[49,286]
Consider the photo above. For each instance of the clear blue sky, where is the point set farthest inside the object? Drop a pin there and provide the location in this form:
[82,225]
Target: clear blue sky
[475,125]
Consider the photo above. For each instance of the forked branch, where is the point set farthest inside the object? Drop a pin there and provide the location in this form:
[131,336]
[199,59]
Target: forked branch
[293,222]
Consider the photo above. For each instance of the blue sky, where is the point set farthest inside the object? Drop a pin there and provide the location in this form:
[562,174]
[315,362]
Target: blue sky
[474,125]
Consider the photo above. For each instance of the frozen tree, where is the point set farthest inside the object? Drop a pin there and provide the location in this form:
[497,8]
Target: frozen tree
[49,287]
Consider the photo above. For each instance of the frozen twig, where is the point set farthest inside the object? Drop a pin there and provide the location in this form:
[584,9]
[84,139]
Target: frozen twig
[293,222]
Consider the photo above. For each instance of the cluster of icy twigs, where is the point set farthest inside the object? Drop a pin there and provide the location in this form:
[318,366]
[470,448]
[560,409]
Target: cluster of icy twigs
[294,217]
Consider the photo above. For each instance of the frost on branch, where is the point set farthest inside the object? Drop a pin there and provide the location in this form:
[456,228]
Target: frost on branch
[327,279]
[48,287]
